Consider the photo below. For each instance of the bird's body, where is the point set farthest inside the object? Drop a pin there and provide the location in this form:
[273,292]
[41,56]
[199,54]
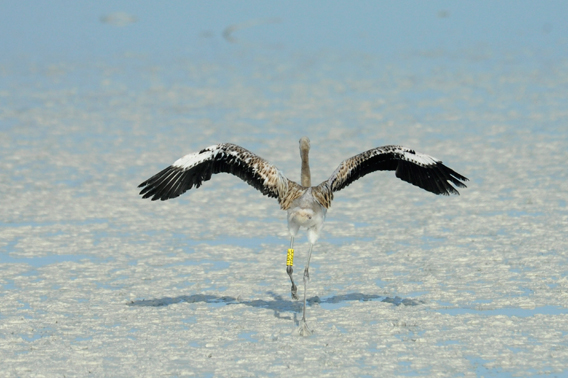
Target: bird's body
[306,205]
[306,212]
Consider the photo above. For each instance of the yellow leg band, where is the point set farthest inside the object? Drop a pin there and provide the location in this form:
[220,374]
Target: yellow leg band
[290,257]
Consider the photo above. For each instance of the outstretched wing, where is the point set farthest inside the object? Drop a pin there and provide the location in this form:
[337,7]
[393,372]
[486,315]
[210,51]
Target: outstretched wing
[418,169]
[191,170]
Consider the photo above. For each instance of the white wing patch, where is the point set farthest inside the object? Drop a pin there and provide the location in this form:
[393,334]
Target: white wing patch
[418,158]
[191,160]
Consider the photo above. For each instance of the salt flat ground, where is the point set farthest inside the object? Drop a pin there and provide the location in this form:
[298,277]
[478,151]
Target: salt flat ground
[403,283]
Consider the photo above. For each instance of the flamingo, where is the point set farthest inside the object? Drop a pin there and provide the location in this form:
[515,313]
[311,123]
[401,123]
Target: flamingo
[306,204]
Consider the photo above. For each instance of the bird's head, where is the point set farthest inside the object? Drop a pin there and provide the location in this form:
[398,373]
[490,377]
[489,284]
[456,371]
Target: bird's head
[304,145]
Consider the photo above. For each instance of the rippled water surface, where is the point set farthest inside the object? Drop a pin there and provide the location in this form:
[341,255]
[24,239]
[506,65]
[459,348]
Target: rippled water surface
[93,279]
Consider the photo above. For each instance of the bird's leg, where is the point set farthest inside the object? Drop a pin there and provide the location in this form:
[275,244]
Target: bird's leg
[290,270]
[304,330]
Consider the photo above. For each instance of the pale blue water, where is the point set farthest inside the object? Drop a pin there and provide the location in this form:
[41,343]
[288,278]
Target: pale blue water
[90,109]
[511,312]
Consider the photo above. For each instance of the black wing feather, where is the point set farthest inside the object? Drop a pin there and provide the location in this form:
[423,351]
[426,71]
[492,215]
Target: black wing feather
[433,176]
[175,180]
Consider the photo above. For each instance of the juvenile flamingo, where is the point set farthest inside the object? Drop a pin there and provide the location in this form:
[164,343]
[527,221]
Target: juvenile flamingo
[306,205]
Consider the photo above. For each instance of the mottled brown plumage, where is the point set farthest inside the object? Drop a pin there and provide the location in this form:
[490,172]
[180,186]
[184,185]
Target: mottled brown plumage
[306,205]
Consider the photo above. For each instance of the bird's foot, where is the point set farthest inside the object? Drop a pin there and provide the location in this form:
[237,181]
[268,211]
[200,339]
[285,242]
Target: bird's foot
[294,292]
[303,329]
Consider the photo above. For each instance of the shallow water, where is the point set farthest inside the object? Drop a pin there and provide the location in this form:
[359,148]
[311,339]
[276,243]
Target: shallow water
[96,280]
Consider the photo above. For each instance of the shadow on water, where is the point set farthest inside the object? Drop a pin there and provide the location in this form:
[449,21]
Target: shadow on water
[278,304]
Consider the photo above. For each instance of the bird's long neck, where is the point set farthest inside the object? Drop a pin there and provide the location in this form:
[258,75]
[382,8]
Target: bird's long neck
[304,152]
